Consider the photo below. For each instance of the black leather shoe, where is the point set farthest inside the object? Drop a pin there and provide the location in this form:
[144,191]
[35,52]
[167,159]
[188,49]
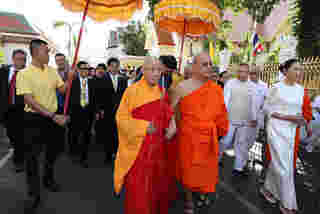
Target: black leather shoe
[52,186]
[237,173]
[32,204]
[84,164]
[18,168]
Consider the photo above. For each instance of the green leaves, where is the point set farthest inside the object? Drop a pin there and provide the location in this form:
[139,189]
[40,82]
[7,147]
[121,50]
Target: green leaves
[133,38]
[305,19]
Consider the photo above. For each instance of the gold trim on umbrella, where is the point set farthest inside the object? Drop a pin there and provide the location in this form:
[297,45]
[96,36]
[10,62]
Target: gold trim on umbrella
[199,16]
[102,10]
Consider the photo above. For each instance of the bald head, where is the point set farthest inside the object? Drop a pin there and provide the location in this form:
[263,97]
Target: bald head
[202,66]
[152,69]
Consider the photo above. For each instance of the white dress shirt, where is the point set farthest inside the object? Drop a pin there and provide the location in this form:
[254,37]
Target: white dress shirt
[11,73]
[114,78]
[86,89]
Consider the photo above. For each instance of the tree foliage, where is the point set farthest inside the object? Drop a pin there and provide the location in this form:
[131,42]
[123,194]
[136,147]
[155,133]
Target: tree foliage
[133,38]
[305,20]
[259,10]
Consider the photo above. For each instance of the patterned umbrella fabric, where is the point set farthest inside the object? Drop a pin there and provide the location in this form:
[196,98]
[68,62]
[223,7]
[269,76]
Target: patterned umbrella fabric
[102,10]
[187,17]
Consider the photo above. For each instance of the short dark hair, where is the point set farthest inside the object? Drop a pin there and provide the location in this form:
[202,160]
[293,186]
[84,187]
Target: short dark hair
[287,65]
[113,59]
[36,43]
[102,65]
[59,54]
[18,51]
[81,63]
[169,61]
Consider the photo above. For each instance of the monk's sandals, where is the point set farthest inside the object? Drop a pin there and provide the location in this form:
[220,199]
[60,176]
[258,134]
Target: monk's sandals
[203,202]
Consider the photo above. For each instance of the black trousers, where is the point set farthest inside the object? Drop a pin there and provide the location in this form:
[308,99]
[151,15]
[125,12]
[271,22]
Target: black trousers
[14,128]
[107,136]
[81,122]
[41,134]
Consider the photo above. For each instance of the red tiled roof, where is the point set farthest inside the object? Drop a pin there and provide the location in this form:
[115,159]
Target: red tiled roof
[15,23]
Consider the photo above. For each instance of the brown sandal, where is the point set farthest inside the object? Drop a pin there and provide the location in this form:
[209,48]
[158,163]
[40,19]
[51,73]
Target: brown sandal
[267,196]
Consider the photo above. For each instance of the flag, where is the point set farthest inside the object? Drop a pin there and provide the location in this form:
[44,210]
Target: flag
[257,46]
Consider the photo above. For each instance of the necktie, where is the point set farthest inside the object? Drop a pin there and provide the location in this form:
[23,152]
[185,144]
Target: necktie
[84,93]
[114,81]
[12,91]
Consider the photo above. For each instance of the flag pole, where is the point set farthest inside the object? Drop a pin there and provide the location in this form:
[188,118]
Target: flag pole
[85,13]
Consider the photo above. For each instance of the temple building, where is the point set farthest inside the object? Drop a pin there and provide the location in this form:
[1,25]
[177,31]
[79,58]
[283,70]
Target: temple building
[16,33]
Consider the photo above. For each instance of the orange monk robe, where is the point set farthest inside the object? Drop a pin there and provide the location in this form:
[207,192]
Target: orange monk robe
[203,119]
[307,114]
[131,131]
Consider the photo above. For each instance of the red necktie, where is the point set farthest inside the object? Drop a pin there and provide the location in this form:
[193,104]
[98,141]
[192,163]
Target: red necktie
[12,91]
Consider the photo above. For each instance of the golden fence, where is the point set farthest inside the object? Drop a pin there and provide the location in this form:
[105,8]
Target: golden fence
[310,77]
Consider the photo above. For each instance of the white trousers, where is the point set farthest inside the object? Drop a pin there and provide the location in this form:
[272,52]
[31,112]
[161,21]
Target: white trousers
[241,138]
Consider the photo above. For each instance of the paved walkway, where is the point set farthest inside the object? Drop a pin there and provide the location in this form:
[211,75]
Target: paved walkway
[89,191]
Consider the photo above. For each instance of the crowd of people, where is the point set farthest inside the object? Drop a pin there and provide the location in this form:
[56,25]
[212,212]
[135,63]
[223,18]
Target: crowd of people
[157,127]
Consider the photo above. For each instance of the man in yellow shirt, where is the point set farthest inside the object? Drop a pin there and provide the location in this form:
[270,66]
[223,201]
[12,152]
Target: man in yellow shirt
[42,126]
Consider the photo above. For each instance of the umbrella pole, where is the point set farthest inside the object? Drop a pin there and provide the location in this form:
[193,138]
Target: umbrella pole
[182,44]
[67,98]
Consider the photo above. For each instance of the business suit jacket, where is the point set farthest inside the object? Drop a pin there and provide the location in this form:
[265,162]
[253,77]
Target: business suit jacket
[5,108]
[81,118]
[116,96]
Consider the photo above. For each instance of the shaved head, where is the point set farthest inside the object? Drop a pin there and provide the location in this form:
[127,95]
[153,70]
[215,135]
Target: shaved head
[202,66]
[152,69]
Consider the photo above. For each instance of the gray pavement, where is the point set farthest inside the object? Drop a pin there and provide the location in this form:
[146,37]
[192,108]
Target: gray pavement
[89,191]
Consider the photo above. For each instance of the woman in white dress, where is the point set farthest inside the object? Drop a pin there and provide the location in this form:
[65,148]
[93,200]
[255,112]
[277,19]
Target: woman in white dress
[284,109]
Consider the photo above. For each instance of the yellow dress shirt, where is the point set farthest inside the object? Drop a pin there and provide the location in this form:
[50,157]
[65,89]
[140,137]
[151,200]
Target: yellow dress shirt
[41,84]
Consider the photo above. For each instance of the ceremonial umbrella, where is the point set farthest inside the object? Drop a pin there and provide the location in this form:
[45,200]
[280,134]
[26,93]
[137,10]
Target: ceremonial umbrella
[187,18]
[98,10]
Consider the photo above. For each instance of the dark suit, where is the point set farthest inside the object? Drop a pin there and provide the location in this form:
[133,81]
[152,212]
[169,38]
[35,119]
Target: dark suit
[81,118]
[115,97]
[11,114]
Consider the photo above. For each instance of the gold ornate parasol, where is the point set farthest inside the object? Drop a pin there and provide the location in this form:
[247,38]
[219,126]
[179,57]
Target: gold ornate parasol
[187,18]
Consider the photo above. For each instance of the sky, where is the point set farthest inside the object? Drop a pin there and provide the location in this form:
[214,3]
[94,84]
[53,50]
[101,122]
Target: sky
[43,13]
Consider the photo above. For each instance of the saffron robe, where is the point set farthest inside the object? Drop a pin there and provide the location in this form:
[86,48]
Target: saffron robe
[142,163]
[203,119]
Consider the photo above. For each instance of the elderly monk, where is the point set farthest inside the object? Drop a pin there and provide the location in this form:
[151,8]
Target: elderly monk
[201,119]
[141,163]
